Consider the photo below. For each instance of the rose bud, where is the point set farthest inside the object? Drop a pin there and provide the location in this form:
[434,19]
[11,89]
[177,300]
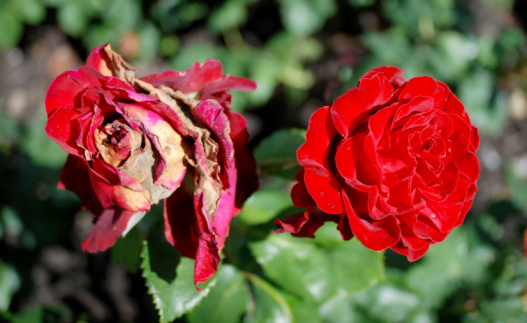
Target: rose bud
[392,161]
[131,142]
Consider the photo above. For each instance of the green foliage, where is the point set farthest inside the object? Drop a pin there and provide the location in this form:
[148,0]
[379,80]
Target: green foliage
[226,302]
[276,154]
[128,250]
[316,273]
[170,282]
[9,284]
[304,17]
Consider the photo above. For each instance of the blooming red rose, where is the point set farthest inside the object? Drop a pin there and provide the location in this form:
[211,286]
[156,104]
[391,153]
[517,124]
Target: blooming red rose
[132,141]
[392,161]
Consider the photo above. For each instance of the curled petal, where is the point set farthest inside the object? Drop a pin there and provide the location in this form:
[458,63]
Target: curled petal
[319,136]
[324,190]
[94,191]
[350,108]
[109,226]
[303,224]
[67,89]
[376,235]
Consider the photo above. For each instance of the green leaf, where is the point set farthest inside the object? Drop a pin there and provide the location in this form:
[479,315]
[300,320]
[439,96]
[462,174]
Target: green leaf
[226,302]
[301,267]
[475,91]
[264,205]
[270,304]
[450,263]
[171,284]
[72,18]
[39,147]
[361,3]
[32,11]
[9,284]
[123,15]
[11,28]
[229,15]
[276,154]
[304,17]
[149,38]
[128,250]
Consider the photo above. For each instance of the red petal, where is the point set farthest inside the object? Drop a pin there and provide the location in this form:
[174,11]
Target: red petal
[247,181]
[94,191]
[189,233]
[303,224]
[428,87]
[320,133]
[376,235]
[190,81]
[98,60]
[353,106]
[109,226]
[392,73]
[181,228]
[67,89]
[412,255]
[299,194]
[62,127]
[325,190]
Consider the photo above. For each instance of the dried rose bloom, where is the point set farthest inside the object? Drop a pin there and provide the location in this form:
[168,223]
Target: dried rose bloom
[131,142]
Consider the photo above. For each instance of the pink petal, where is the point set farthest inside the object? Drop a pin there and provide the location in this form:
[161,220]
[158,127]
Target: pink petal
[109,226]
[247,181]
[67,89]
[98,60]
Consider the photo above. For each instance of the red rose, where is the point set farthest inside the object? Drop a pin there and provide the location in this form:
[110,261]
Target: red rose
[393,162]
[131,141]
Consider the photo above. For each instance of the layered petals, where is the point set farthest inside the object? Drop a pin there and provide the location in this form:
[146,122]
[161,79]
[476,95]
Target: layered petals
[394,160]
[132,142]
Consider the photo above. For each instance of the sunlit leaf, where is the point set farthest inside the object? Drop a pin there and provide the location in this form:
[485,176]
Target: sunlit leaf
[276,154]
[227,300]
[9,284]
[169,282]
[304,269]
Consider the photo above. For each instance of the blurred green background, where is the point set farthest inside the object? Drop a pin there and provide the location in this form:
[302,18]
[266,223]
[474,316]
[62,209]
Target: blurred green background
[303,54]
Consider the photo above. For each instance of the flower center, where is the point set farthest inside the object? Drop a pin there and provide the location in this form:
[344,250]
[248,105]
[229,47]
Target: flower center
[115,142]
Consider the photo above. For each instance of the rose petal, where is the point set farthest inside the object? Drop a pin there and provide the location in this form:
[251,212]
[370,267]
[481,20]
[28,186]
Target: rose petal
[247,181]
[62,127]
[412,255]
[94,191]
[303,224]
[109,226]
[98,59]
[394,74]
[67,89]
[299,194]
[354,105]
[319,136]
[376,235]
[324,190]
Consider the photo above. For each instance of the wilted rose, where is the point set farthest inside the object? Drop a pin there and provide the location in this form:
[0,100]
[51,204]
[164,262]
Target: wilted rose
[393,162]
[131,142]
